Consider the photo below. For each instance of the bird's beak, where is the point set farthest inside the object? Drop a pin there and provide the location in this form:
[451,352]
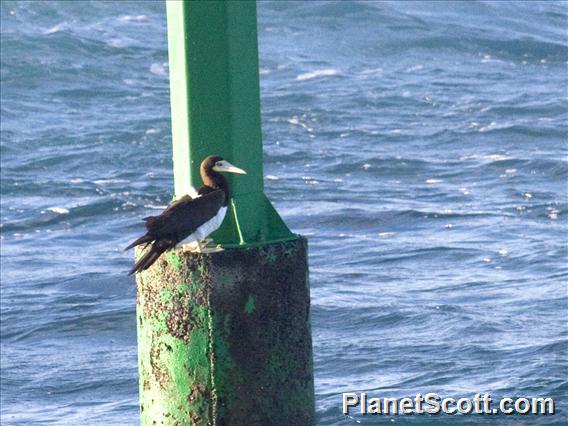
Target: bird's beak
[225,166]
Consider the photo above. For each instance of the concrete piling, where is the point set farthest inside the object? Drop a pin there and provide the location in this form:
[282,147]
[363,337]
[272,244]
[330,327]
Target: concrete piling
[224,338]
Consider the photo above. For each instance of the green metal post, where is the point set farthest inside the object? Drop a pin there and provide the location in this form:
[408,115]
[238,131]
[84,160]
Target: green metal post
[224,338]
[215,99]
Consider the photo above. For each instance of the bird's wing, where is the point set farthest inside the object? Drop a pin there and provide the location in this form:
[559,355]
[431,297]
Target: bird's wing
[185,215]
[170,207]
[174,204]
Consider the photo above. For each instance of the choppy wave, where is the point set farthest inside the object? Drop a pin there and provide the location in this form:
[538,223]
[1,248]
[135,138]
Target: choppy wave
[328,72]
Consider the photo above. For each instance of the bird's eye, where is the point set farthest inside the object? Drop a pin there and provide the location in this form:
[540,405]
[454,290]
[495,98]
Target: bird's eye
[218,164]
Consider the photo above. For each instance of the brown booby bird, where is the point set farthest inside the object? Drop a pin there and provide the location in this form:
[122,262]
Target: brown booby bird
[191,218]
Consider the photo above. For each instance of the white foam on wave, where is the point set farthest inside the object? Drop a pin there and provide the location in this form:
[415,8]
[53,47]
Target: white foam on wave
[56,28]
[310,180]
[271,177]
[159,69]
[509,173]
[116,43]
[154,206]
[485,59]
[553,213]
[132,18]
[110,181]
[487,157]
[386,234]
[296,122]
[414,68]
[58,210]
[375,72]
[433,181]
[496,157]
[490,126]
[328,72]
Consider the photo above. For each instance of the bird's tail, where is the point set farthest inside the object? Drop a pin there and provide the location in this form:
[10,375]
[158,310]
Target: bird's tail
[144,239]
[151,256]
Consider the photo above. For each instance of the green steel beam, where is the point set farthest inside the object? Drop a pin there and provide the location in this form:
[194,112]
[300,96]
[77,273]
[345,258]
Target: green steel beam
[215,103]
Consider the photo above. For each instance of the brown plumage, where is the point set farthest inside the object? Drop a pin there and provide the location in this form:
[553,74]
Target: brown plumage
[187,219]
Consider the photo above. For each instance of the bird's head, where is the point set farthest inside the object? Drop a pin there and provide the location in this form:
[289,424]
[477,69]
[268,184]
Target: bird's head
[219,165]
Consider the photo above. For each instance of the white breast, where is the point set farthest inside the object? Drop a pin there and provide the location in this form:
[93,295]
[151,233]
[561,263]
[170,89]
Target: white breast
[207,228]
[192,192]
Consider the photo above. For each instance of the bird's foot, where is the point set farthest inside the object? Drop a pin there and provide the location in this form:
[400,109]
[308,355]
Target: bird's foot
[201,247]
[192,247]
[205,247]
[210,249]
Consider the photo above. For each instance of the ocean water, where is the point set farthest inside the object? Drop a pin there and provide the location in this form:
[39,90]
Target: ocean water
[420,146]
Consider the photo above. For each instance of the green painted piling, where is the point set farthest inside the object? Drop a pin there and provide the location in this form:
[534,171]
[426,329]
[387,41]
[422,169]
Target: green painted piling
[224,338]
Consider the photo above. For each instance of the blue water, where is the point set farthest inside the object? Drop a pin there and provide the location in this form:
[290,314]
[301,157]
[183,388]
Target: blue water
[421,147]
